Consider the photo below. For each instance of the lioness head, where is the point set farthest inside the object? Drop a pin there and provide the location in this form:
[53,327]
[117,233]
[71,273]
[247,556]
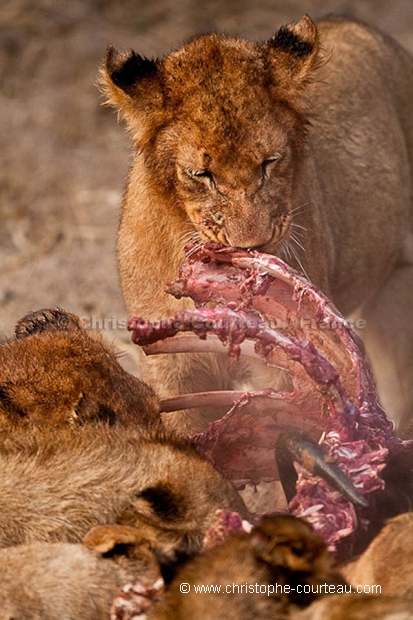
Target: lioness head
[221,124]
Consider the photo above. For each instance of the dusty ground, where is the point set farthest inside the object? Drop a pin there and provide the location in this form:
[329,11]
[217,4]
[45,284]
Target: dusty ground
[63,157]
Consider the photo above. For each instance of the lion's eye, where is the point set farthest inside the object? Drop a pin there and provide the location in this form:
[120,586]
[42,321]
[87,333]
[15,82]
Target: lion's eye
[269,163]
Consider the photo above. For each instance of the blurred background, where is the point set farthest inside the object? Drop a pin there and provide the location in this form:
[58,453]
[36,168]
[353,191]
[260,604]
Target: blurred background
[64,159]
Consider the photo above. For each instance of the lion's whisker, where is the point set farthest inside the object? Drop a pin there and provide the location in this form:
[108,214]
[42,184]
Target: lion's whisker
[300,209]
[297,242]
[187,236]
[194,249]
[295,225]
[297,258]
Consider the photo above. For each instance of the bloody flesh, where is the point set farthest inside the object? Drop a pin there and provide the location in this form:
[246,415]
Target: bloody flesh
[264,308]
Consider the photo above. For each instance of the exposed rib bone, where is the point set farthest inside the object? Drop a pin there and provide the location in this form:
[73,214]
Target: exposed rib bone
[273,312]
[221,398]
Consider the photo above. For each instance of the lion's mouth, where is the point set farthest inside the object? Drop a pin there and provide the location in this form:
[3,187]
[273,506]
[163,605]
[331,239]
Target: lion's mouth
[229,235]
[280,236]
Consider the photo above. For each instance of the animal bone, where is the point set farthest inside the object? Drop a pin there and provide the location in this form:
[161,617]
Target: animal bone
[333,398]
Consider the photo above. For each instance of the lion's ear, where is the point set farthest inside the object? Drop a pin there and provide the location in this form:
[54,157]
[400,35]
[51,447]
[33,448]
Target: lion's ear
[293,53]
[127,69]
[107,539]
[47,320]
[132,84]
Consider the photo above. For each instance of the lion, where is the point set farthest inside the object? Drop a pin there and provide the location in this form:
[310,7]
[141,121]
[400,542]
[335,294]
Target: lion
[380,563]
[300,146]
[58,483]
[81,445]
[280,566]
[357,607]
[56,372]
[73,580]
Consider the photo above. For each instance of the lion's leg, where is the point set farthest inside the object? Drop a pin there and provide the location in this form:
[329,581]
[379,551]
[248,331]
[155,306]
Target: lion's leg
[185,373]
[388,336]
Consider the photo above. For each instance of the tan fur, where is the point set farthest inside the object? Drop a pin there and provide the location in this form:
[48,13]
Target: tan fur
[55,486]
[45,581]
[69,466]
[56,372]
[280,550]
[223,151]
[388,561]
[357,607]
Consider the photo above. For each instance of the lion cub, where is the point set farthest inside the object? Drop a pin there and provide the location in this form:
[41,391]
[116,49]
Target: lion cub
[82,444]
[391,549]
[300,146]
[45,581]
[56,372]
[281,565]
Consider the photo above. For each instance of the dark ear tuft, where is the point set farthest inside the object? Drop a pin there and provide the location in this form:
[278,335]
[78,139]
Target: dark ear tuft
[299,40]
[7,404]
[288,41]
[293,56]
[51,319]
[164,502]
[286,541]
[127,68]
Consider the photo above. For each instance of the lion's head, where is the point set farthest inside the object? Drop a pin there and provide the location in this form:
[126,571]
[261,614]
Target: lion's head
[221,125]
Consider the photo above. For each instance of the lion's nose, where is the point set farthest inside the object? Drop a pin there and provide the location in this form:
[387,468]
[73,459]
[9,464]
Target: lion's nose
[248,239]
[248,232]
[248,243]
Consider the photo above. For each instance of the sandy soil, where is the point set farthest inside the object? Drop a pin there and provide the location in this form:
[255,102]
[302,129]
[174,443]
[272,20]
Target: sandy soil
[63,157]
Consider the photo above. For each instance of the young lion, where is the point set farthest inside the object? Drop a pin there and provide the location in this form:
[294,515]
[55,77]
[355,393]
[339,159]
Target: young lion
[55,372]
[81,444]
[280,566]
[224,151]
[44,581]
[381,562]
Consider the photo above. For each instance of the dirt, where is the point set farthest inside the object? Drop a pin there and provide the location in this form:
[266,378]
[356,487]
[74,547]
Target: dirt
[64,159]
